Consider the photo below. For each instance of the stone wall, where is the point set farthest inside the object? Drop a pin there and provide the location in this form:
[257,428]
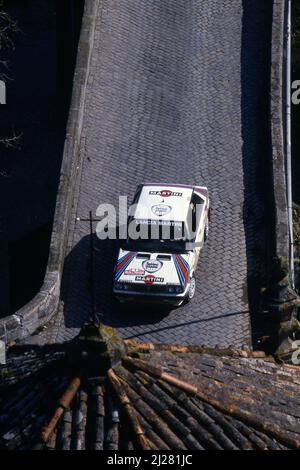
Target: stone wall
[277,131]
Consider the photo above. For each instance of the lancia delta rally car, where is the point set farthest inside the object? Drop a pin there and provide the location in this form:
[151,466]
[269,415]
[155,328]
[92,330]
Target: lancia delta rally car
[167,226]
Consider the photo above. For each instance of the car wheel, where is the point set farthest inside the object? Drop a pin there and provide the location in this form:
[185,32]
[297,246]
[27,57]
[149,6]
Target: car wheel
[192,289]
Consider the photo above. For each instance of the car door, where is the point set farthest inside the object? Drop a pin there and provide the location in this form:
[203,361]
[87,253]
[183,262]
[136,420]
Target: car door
[198,224]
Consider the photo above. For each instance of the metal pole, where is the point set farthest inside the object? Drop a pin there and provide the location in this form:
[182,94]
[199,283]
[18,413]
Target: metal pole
[92,278]
[288,142]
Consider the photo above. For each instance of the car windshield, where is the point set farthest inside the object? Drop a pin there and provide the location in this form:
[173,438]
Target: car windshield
[155,246]
[157,237]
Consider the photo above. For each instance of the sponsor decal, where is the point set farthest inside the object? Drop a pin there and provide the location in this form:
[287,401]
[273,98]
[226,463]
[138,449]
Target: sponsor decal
[151,266]
[170,223]
[161,209]
[149,279]
[134,272]
[123,263]
[165,193]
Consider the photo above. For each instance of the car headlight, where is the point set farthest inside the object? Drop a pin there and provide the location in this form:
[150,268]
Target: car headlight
[123,286]
[174,289]
[120,286]
[178,289]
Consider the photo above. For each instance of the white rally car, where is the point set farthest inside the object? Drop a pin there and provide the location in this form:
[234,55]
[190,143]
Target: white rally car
[167,226]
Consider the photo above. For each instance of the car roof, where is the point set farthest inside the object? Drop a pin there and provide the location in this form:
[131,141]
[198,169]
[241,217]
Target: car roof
[157,199]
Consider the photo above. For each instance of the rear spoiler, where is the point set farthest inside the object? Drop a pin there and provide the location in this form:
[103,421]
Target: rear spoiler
[202,190]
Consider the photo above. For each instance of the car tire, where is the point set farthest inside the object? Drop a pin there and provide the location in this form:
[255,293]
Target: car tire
[206,231]
[192,289]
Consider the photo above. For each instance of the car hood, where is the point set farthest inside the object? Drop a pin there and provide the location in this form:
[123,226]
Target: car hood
[153,268]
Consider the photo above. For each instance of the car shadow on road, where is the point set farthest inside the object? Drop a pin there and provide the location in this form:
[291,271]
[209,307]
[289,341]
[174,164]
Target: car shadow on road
[189,323]
[76,292]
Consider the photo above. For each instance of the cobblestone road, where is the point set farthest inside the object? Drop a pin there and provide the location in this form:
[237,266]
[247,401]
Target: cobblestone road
[175,95]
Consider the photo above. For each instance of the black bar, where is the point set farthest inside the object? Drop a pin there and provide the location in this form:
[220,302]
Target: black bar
[92,278]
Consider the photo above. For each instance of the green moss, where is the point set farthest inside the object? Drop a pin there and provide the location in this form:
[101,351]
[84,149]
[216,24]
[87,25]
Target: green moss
[38,330]
[104,343]
[280,269]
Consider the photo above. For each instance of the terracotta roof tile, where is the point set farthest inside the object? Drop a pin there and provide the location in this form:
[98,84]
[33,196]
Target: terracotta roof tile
[97,392]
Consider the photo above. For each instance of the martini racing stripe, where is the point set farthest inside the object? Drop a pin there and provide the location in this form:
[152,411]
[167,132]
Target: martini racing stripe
[123,263]
[183,267]
[186,264]
[124,259]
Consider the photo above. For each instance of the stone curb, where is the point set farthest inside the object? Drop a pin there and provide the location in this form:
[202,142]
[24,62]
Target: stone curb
[280,266]
[277,136]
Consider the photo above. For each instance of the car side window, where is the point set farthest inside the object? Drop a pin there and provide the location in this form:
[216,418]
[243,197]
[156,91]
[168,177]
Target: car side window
[134,202]
[137,195]
[197,208]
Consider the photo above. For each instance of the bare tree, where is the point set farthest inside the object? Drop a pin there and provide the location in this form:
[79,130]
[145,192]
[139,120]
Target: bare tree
[8,27]
[12,141]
